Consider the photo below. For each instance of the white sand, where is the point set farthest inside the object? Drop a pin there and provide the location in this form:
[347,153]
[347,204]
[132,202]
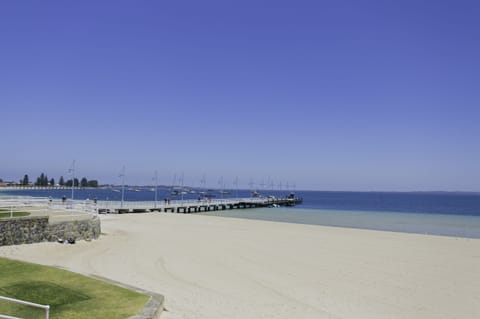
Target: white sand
[213,267]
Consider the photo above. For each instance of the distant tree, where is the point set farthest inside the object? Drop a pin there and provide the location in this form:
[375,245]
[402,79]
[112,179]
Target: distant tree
[84,182]
[61,182]
[93,183]
[69,183]
[75,181]
[39,180]
[52,182]
[25,180]
[42,180]
[1,180]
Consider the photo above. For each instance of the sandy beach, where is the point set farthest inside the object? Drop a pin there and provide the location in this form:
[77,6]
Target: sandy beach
[214,267]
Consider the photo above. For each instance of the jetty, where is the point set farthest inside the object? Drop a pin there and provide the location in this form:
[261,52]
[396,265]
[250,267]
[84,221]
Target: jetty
[48,205]
[193,206]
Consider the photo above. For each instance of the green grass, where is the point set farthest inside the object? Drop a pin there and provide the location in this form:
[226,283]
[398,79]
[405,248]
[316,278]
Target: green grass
[70,296]
[6,214]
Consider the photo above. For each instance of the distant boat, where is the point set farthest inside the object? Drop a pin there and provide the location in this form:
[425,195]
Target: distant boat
[255,194]
[116,190]
[224,192]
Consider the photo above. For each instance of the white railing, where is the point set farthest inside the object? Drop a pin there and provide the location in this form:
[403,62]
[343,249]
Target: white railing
[92,206]
[174,203]
[45,204]
[25,303]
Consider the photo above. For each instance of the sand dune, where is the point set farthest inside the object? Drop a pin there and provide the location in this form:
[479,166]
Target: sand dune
[213,267]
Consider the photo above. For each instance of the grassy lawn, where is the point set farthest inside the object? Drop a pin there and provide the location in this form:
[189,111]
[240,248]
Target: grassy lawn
[70,296]
[6,214]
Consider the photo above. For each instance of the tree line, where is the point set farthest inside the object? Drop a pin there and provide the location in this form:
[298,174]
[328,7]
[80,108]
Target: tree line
[43,180]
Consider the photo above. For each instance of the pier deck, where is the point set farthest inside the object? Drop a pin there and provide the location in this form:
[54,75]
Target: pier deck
[192,206]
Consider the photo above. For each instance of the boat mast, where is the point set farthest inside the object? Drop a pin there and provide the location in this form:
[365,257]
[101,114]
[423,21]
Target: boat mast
[122,175]
[181,188]
[203,183]
[156,187]
[251,183]
[236,186]
[72,171]
[221,184]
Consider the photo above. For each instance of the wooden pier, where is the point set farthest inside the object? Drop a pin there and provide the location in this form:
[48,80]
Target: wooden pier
[193,206]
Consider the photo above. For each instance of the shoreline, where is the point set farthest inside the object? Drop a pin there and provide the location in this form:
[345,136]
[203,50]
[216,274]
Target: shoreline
[409,222]
[350,227]
[382,220]
[211,267]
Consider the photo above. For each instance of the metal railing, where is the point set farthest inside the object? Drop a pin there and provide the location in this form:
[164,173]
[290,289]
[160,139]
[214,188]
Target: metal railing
[175,203]
[92,206]
[45,204]
[25,303]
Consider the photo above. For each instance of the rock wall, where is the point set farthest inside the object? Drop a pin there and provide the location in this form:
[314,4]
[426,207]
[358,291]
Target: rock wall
[27,230]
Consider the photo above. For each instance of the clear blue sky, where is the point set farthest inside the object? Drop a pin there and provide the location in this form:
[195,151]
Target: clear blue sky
[330,95]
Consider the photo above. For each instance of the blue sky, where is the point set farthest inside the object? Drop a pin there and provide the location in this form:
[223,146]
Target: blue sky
[329,95]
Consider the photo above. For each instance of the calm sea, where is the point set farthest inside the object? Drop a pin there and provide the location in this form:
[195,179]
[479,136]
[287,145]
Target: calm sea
[451,214]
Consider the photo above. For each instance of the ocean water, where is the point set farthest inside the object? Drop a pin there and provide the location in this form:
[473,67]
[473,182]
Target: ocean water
[433,224]
[442,213]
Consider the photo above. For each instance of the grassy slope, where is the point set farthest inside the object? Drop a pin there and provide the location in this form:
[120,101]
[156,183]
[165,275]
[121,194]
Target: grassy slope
[6,214]
[70,295]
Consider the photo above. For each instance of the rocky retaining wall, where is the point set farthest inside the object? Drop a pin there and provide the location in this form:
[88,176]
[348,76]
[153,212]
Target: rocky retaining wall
[27,230]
